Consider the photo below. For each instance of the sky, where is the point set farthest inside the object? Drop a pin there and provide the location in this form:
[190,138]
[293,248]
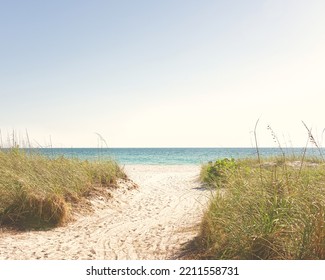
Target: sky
[172,73]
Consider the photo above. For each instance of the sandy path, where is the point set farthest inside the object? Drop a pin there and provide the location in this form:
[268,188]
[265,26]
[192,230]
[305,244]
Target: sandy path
[151,222]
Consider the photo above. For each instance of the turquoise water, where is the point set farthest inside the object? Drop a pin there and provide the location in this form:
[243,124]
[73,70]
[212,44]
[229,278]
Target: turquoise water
[167,155]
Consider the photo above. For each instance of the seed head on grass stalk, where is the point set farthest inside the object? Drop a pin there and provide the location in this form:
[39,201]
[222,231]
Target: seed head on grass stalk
[313,141]
[276,140]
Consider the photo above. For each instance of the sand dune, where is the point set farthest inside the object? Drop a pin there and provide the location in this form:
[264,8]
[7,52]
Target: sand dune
[149,222]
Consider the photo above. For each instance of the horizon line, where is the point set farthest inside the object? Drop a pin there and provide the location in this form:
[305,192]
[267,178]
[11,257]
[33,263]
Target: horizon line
[176,147]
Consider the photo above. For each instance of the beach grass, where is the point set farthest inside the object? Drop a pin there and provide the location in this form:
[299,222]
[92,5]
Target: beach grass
[40,192]
[271,208]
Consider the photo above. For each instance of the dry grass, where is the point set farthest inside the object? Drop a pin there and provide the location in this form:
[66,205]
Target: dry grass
[269,210]
[38,192]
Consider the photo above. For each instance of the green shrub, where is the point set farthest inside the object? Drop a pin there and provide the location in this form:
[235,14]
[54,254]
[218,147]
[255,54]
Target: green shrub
[215,173]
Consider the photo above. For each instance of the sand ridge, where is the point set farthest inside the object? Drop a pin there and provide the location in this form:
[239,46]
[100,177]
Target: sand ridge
[152,221]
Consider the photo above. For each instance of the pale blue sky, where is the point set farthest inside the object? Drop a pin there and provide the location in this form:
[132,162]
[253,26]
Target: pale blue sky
[162,73]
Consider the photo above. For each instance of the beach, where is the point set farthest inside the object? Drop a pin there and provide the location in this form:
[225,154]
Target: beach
[152,221]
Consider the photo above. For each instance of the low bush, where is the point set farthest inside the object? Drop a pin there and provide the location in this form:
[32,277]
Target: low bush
[215,173]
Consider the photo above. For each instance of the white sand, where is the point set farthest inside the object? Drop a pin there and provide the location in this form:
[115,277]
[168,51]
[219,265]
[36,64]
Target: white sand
[150,222]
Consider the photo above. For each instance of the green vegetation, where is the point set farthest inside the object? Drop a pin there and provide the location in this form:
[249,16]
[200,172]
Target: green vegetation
[215,173]
[268,209]
[39,192]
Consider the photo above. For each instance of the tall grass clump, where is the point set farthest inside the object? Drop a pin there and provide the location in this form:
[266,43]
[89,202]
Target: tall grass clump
[281,216]
[271,208]
[39,192]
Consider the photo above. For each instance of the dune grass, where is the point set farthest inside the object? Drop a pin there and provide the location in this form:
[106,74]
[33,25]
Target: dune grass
[267,209]
[39,192]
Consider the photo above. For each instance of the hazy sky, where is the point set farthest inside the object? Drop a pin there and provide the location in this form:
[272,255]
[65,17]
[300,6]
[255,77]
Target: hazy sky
[163,73]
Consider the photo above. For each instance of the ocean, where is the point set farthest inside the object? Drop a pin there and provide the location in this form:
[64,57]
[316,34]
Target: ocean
[168,156]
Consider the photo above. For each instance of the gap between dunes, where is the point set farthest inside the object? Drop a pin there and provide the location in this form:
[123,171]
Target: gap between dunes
[150,222]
